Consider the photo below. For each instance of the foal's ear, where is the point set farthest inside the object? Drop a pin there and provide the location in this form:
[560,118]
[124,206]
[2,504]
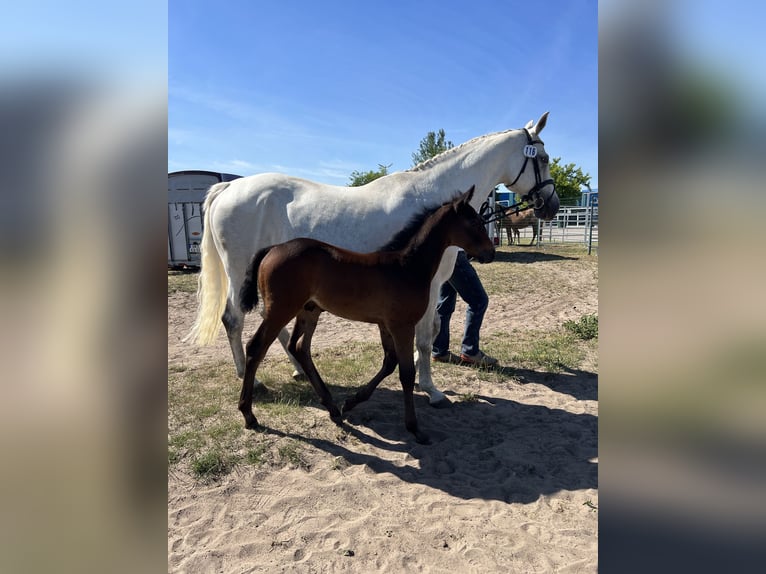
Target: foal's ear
[466,197]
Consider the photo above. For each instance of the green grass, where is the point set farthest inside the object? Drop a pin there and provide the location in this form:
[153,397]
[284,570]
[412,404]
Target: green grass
[182,281]
[533,266]
[206,431]
[212,464]
[291,453]
[257,455]
[551,352]
[586,328]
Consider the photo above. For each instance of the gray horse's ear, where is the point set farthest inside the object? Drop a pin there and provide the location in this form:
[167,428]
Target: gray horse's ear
[541,123]
[529,125]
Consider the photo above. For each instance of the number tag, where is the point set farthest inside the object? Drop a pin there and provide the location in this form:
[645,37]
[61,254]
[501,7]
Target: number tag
[530,151]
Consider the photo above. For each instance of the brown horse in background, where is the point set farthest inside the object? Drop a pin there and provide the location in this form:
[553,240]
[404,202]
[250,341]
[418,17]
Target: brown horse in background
[513,222]
[303,277]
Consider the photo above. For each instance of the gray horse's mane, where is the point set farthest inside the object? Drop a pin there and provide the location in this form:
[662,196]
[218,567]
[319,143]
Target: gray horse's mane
[448,153]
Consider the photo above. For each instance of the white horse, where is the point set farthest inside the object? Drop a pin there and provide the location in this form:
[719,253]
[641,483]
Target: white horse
[247,214]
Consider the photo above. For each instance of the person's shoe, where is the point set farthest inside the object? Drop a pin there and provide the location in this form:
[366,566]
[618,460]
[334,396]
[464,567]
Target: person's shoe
[480,359]
[450,357]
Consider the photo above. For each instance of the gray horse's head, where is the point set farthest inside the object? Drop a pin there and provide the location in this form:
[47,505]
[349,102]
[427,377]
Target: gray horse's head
[533,180]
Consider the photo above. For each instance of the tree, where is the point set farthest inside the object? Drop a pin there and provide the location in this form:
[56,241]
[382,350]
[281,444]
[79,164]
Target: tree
[431,145]
[358,178]
[569,180]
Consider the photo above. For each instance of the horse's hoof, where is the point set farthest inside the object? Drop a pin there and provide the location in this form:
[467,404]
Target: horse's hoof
[251,423]
[443,403]
[422,438]
[300,377]
[347,406]
[338,420]
[260,390]
[336,416]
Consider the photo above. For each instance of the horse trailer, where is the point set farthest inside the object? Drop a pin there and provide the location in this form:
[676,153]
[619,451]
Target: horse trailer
[186,193]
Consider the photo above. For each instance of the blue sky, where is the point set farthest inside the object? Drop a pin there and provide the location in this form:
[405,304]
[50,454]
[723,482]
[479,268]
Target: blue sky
[320,89]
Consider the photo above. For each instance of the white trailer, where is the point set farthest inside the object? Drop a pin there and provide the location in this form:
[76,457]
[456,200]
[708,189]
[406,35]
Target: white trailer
[186,193]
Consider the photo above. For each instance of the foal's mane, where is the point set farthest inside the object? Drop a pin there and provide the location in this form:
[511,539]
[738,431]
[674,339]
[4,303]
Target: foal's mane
[403,238]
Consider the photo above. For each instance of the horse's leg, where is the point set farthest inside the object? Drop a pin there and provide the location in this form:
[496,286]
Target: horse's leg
[424,338]
[402,337]
[389,365]
[256,350]
[284,340]
[534,233]
[234,321]
[299,346]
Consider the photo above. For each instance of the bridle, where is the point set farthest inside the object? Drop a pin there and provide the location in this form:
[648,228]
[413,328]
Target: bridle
[532,198]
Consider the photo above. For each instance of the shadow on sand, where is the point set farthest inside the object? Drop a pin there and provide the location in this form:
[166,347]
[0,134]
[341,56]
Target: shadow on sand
[487,448]
[530,257]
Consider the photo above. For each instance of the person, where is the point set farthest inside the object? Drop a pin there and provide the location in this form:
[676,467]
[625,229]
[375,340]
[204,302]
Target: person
[466,283]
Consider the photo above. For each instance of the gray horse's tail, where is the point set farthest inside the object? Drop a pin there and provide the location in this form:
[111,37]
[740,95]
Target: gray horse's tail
[248,294]
[213,283]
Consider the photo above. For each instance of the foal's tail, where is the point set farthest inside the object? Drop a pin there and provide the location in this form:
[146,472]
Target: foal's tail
[213,282]
[248,294]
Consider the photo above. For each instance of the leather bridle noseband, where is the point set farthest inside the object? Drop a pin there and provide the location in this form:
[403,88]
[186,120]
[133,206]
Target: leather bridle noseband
[532,197]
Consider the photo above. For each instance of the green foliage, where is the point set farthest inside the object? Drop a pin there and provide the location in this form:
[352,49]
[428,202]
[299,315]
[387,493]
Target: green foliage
[431,145]
[586,328]
[550,351]
[210,465]
[569,181]
[257,455]
[182,282]
[358,178]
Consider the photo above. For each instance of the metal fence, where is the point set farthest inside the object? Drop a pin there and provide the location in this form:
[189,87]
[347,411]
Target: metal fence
[571,225]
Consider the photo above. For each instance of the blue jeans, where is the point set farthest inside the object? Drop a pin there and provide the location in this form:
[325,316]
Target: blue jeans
[464,282]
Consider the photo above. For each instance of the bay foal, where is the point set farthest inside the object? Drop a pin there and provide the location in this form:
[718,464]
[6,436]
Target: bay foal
[303,277]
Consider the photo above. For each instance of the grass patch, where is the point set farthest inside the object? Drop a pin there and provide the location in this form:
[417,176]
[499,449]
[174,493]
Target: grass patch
[531,267]
[553,353]
[206,433]
[182,281]
[350,367]
[257,456]
[291,453]
[586,328]
[537,350]
[211,464]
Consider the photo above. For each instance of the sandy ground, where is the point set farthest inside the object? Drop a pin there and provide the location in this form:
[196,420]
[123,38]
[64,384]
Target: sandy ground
[509,483]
